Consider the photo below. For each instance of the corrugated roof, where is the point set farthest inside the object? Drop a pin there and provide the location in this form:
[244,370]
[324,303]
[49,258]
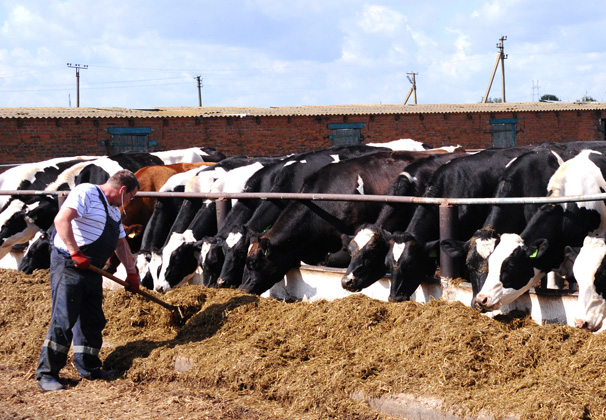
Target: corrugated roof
[287,111]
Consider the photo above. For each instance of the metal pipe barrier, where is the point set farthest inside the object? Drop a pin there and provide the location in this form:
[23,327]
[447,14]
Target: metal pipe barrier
[447,210]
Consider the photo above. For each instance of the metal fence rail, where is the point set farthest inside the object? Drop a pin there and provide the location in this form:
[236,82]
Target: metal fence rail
[448,214]
[344,197]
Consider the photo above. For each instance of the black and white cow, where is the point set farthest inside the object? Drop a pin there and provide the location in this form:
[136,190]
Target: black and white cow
[519,261]
[369,246]
[288,176]
[590,272]
[308,231]
[37,254]
[22,216]
[412,257]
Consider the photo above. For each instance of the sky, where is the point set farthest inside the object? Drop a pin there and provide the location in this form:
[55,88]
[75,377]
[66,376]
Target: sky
[148,53]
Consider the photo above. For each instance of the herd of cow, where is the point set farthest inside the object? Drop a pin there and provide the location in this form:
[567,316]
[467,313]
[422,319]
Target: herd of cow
[507,249]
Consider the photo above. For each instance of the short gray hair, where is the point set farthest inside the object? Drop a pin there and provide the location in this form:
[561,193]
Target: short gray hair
[124,178]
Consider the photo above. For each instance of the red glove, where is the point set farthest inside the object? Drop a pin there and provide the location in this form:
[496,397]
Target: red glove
[133,282]
[80,260]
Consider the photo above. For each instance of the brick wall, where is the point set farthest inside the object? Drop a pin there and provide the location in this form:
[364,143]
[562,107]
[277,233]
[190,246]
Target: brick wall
[30,140]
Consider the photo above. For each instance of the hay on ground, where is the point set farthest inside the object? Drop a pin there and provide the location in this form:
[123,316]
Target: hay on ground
[308,359]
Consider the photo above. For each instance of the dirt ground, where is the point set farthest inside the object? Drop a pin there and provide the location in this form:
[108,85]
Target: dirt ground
[237,356]
[117,399]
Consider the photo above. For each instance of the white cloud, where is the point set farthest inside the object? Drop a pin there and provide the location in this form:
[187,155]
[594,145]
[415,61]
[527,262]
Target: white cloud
[142,53]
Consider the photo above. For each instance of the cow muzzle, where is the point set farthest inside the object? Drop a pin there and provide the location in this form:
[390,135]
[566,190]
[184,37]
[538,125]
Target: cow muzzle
[347,283]
[486,304]
[585,325]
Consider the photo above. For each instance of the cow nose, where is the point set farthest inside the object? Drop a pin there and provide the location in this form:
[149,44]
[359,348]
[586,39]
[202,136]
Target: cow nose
[160,289]
[585,325]
[345,282]
[220,282]
[482,301]
[579,323]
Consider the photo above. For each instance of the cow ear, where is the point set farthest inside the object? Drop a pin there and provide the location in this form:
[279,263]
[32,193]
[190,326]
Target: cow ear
[346,239]
[254,236]
[198,245]
[454,248]
[537,248]
[432,248]
[387,236]
[265,246]
[571,253]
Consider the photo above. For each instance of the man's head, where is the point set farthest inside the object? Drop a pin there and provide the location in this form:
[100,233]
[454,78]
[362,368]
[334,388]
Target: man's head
[121,187]
[124,178]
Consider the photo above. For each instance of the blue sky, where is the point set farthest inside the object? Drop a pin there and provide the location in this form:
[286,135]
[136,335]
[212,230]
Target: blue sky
[147,53]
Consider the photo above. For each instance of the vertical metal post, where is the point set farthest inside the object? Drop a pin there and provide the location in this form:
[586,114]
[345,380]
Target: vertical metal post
[222,208]
[61,197]
[449,219]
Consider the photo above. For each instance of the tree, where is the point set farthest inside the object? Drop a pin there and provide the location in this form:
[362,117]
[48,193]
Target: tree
[586,98]
[493,100]
[548,97]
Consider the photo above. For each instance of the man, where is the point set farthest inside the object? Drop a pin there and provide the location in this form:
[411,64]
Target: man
[88,230]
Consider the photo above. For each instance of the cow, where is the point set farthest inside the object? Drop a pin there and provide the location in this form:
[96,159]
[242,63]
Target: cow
[37,175]
[179,261]
[519,261]
[402,145]
[191,155]
[37,254]
[368,247]
[412,257]
[590,272]
[234,236]
[306,231]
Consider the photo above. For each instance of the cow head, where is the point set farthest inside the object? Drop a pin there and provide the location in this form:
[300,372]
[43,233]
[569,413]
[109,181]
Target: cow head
[143,259]
[19,222]
[37,255]
[367,250]
[235,248]
[476,252]
[266,265]
[411,261]
[211,260]
[590,272]
[179,261]
[511,271]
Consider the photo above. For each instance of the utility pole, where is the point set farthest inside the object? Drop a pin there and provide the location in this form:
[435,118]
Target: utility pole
[199,90]
[500,57]
[77,67]
[413,88]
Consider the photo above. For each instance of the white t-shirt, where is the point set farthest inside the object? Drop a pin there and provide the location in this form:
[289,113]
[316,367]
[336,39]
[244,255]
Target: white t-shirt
[89,224]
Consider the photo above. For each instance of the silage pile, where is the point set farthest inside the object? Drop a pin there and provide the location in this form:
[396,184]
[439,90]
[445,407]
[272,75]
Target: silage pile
[309,358]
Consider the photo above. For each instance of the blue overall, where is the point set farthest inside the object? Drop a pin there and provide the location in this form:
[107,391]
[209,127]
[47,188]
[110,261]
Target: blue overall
[77,311]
